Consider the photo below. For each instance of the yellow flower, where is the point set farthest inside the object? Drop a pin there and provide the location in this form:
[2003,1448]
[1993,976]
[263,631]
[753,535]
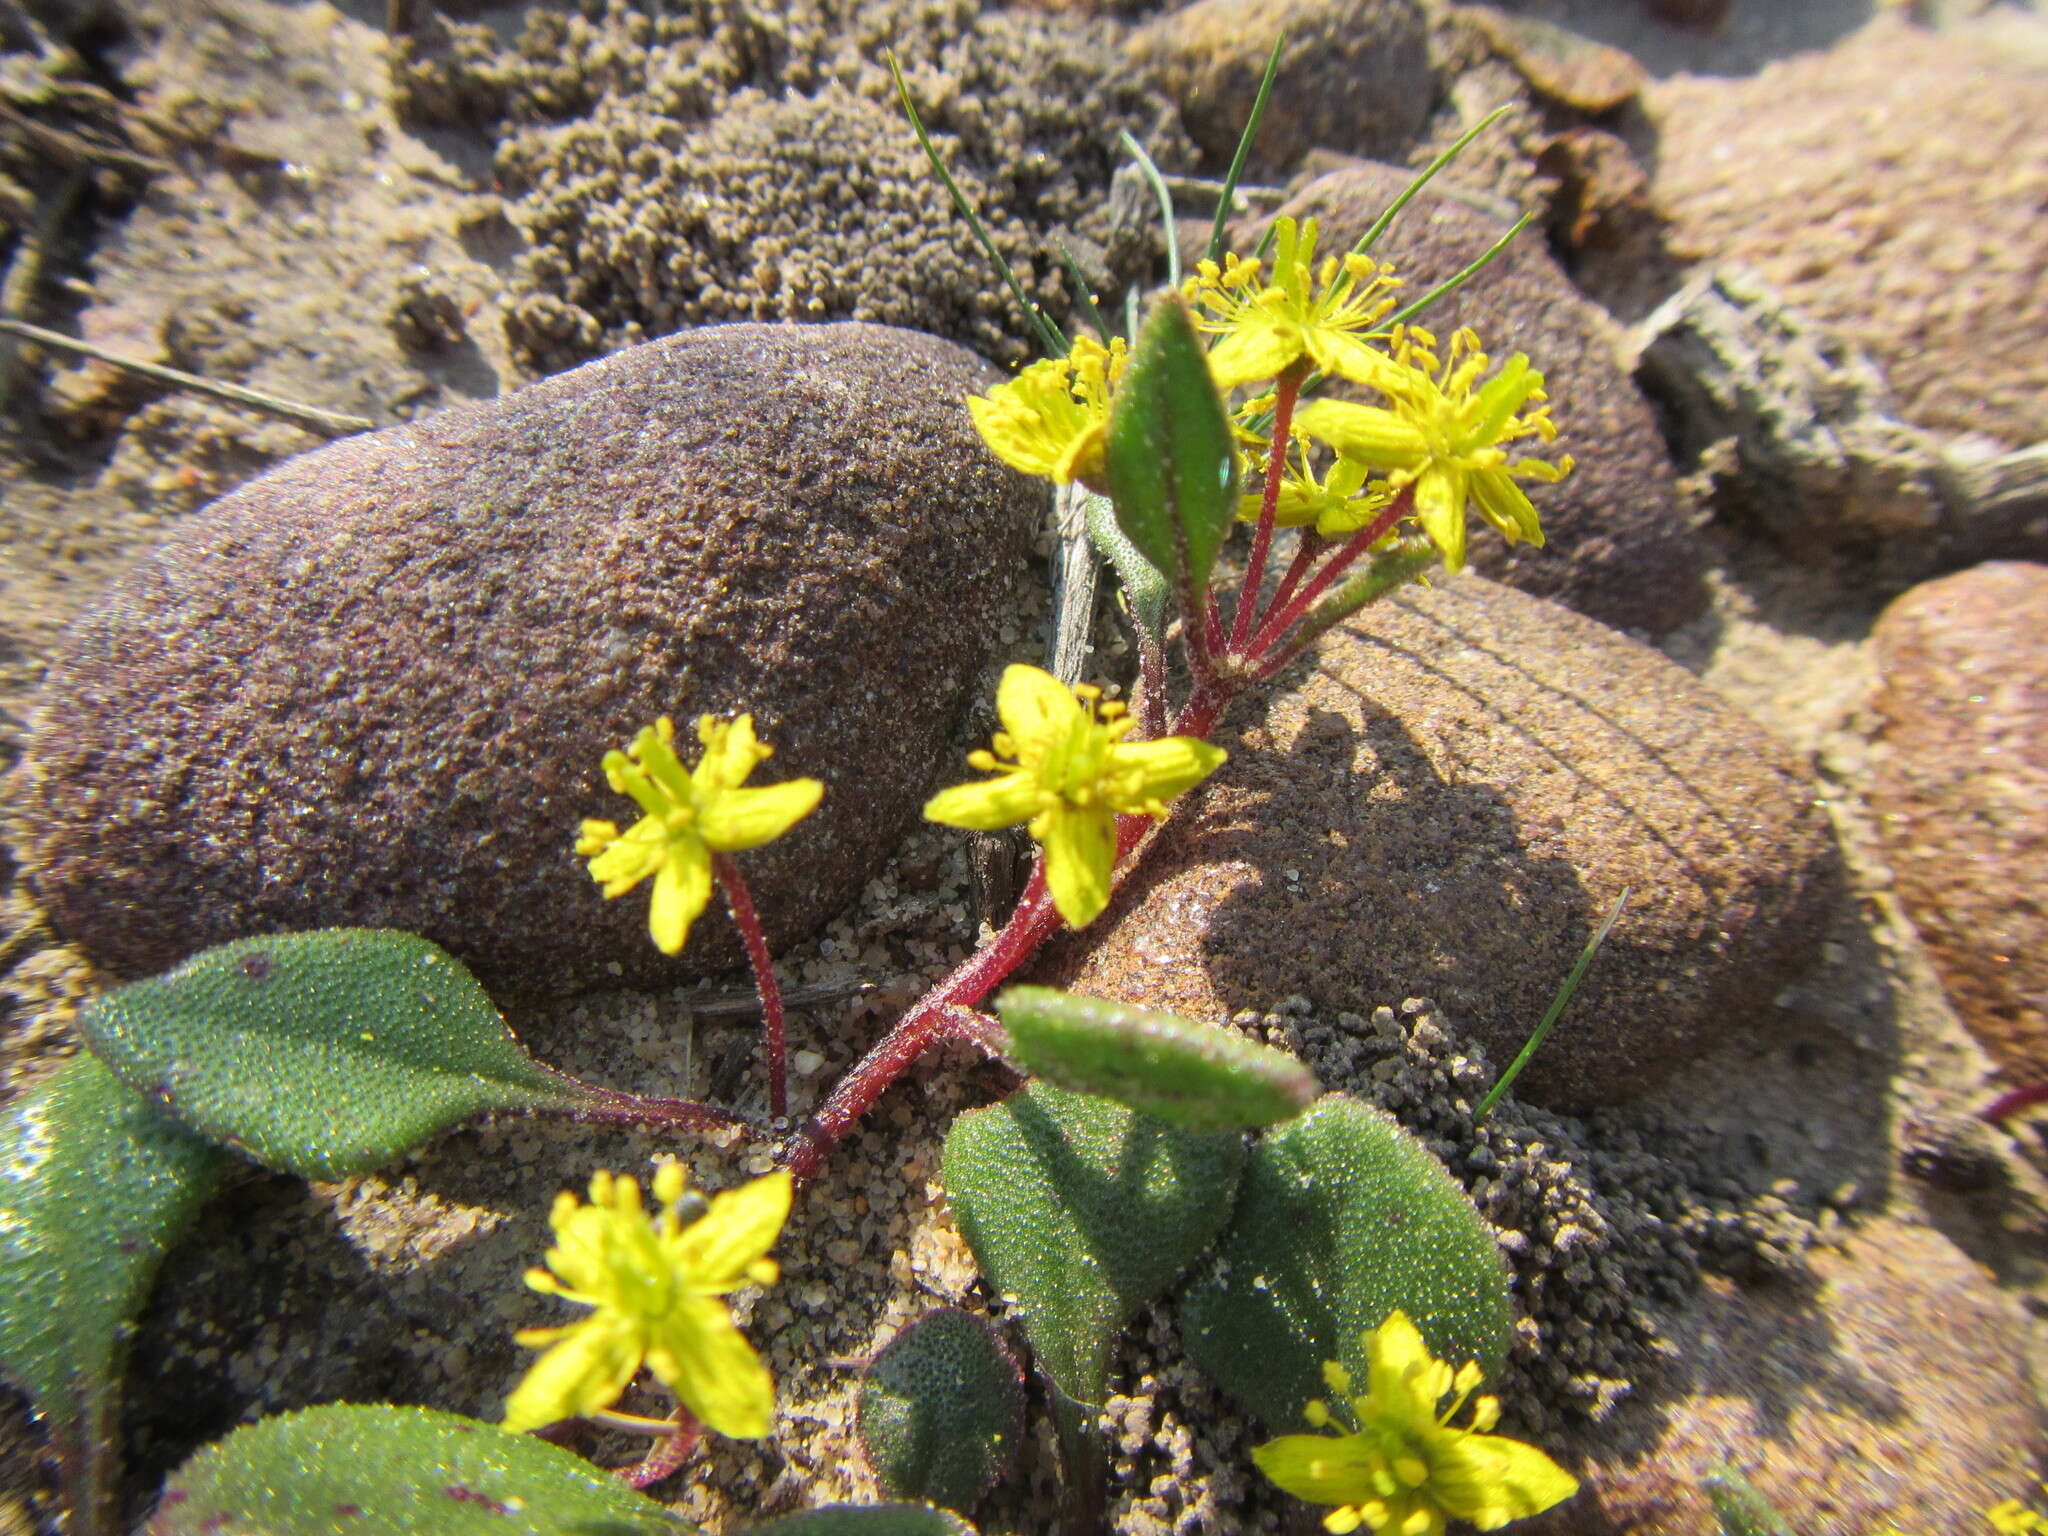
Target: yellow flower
[2014,1518]
[691,814]
[1268,326]
[1065,768]
[1443,434]
[1053,418]
[655,1285]
[1403,1467]
[1332,503]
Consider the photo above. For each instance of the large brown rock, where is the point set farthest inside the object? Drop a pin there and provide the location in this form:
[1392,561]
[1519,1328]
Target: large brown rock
[1961,793]
[1622,547]
[1445,804]
[373,687]
[1892,1394]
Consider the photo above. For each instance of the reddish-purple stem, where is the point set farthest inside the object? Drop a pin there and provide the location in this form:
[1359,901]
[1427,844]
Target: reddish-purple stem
[1151,689]
[1283,619]
[667,1456]
[607,1106]
[1286,390]
[1304,556]
[749,924]
[2006,1105]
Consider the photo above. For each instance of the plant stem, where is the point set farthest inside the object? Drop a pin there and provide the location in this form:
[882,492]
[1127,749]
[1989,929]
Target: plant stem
[680,1436]
[2006,1105]
[1151,688]
[1283,619]
[1286,390]
[1312,544]
[607,1106]
[744,917]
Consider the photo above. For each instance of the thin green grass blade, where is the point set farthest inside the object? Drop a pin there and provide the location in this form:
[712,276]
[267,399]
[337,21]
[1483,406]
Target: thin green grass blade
[1049,335]
[1371,237]
[1451,285]
[1165,195]
[1080,281]
[1557,1003]
[1244,149]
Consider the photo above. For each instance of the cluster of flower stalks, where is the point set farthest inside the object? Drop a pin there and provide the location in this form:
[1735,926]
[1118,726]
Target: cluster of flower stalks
[1175,440]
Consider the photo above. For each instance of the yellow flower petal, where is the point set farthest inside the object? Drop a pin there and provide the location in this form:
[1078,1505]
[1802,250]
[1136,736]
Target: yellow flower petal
[1491,1480]
[584,1372]
[706,1361]
[1323,1469]
[746,818]
[1150,772]
[731,752]
[737,1230]
[1035,707]
[1380,439]
[682,889]
[988,806]
[1440,508]
[1259,349]
[1506,506]
[1080,855]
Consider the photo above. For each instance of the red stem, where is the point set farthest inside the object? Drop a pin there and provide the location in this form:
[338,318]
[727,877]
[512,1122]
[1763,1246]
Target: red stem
[749,925]
[2006,1105]
[1283,619]
[1304,556]
[1151,689]
[667,1456]
[1287,389]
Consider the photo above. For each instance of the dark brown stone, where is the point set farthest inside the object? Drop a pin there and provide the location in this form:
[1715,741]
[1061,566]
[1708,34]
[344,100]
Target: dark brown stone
[1890,1393]
[1621,546]
[1354,75]
[1961,793]
[373,687]
[1445,804]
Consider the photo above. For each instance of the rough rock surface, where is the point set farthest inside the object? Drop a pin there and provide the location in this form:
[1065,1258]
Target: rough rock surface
[1837,1399]
[1448,798]
[1961,793]
[749,161]
[1354,75]
[1797,435]
[373,687]
[1621,545]
[1890,186]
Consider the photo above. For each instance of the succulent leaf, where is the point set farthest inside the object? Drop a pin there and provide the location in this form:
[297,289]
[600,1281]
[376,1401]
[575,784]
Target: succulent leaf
[321,1054]
[1083,1210]
[1197,1076]
[372,1469]
[98,1185]
[1342,1217]
[942,1410]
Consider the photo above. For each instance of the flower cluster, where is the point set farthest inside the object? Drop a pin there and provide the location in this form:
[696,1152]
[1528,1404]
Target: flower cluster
[1441,432]
[655,1287]
[1402,1466]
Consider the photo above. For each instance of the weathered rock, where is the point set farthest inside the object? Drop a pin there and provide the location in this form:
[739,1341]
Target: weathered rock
[1961,793]
[1890,186]
[1797,433]
[1894,1395]
[1559,63]
[1447,802]
[373,686]
[1621,546]
[1354,75]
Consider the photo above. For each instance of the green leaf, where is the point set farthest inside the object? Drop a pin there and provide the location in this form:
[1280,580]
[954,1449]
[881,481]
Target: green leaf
[942,1410]
[1172,467]
[95,1187]
[320,1054]
[1739,1510]
[867,1520]
[1196,1076]
[1081,1211]
[1342,1217]
[372,1469]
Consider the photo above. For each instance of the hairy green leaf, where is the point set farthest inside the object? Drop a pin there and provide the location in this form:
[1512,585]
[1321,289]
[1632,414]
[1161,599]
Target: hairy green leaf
[95,1187]
[1081,1211]
[942,1410]
[867,1520]
[1172,466]
[320,1054]
[1342,1217]
[372,1469]
[1196,1076]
